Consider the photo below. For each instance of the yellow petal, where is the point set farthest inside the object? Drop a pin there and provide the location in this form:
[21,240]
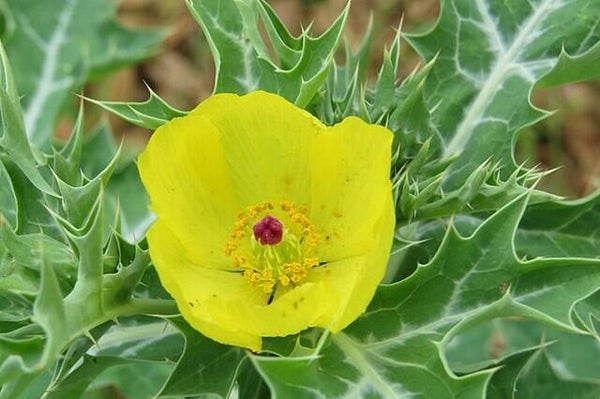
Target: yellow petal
[298,309]
[192,285]
[266,141]
[350,188]
[353,281]
[186,175]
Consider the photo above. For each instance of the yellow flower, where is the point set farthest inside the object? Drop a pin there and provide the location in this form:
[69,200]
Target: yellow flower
[268,222]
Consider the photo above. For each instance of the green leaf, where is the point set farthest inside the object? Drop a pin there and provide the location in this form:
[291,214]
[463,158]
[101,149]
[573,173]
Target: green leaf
[396,347]
[57,45]
[493,344]
[205,368]
[13,307]
[31,251]
[384,92]
[250,383]
[547,229]
[49,312]
[32,214]
[7,82]
[489,56]
[587,312]
[502,383]
[539,379]
[133,350]
[98,151]
[343,93]
[126,194]
[574,68]
[13,140]
[67,161]
[141,338]
[242,62]
[29,386]
[76,383]
[561,229]
[149,114]
[8,200]
[136,380]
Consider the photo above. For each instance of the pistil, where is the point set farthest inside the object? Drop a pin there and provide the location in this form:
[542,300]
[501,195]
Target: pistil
[268,231]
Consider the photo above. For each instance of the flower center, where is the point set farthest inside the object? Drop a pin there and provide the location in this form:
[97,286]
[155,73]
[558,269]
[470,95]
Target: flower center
[268,231]
[273,245]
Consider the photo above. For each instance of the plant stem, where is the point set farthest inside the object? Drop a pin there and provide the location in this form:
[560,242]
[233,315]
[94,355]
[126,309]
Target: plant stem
[163,307]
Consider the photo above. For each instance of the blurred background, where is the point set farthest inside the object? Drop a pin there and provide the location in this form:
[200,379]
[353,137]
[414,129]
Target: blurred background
[182,73]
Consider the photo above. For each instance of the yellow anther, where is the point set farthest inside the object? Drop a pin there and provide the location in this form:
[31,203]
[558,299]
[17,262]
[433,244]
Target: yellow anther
[240,223]
[253,211]
[253,276]
[313,240]
[239,260]
[284,280]
[287,206]
[268,287]
[311,262]
[230,247]
[267,274]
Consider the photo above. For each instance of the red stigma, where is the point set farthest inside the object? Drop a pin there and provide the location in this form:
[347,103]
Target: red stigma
[268,231]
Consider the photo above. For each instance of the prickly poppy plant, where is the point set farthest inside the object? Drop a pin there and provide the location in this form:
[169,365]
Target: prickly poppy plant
[309,230]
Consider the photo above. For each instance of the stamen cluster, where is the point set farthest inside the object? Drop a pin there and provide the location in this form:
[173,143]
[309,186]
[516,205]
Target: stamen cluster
[271,251]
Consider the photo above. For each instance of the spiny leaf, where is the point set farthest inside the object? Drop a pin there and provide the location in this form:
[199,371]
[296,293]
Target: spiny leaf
[98,151]
[205,368]
[126,194]
[539,379]
[49,312]
[410,120]
[344,89]
[13,140]
[242,62]
[67,161]
[8,200]
[574,68]
[390,349]
[75,384]
[148,378]
[29,386]
[490,54]
[149,114]
[56,45]
[495,344]
[587,312]
[79,200]
[384,92]
[32,212]
[502,384]
[561,229]
[141,338]
[31,251]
